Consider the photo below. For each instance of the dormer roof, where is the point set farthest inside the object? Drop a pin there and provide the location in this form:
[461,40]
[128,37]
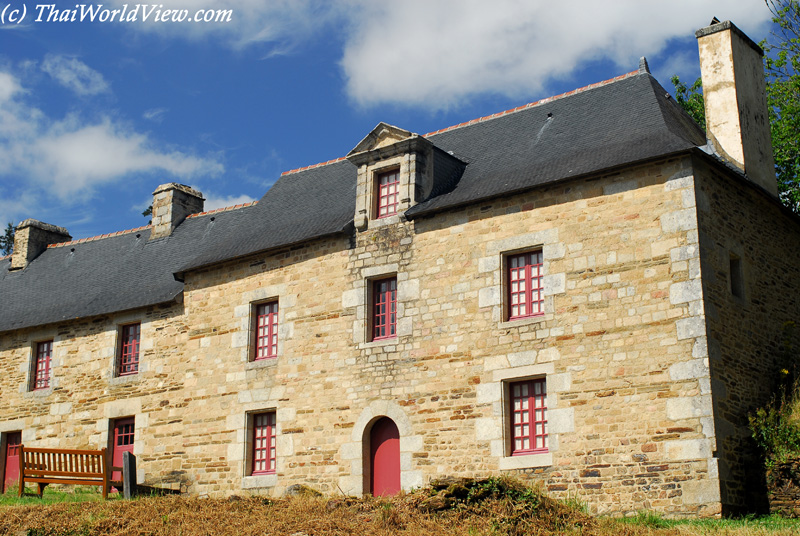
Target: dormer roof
[382,135]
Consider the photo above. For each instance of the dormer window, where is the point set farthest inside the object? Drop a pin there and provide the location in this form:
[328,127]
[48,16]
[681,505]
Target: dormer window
[397,170]
[388,186]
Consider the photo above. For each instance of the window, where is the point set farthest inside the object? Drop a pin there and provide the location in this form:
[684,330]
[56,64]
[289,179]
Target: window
[264,443]
[388,192]
[528,417]
[41,365]
[266,324]
[737,278]
[525,291]
[384,309]
[128,360]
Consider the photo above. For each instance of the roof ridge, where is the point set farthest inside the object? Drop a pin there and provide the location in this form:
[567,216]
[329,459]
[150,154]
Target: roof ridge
[535,103]
[128,231]
[222,209]
[98,237]
[314,166]
[492,116]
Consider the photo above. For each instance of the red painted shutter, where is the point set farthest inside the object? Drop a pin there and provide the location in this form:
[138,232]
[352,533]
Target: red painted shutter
[264,443]
[388,193]
[525,285]
[385,457]
[13,441]
[384,317]
[129,350]
[529,417]
[123,442]
[267,330]
[41,373]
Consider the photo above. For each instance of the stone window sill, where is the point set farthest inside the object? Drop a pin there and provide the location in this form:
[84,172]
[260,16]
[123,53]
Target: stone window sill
[124,380]
[526,462]
[394,341]
[39,393]
[259,481]
[261,363]
[527,321]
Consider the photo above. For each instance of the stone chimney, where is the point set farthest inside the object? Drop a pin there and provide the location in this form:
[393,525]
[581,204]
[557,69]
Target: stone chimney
[31,238]
[737,122]
[171,204]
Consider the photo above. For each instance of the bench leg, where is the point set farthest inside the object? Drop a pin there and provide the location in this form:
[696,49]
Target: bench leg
[41,489]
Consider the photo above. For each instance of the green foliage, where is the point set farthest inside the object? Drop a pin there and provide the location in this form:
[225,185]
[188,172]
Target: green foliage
[776,426]
[502,487]
[7,240]
[691,99]
[782,62]
[782,72]
[649,519]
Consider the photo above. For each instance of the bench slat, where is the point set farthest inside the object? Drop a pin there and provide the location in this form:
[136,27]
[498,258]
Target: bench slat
[64,451]
[45,473]
[77,481]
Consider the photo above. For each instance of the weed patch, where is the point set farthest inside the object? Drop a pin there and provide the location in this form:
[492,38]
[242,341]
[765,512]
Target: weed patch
[453,507]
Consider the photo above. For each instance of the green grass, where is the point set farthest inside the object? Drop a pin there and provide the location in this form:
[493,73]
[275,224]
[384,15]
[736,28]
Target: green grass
[654,520]
[75,494]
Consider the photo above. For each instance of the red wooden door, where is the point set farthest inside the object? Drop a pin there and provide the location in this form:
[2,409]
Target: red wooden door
[384,440]
[123,442]
[13,440]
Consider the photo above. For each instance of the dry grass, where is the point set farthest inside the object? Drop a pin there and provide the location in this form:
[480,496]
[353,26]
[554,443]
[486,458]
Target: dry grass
[414,514]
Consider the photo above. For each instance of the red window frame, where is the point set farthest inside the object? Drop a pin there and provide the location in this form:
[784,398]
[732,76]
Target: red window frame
[384,309]
[528,411]
[124,432]
[264,443]
[387,193]
[525,285]
[266,326]
[130,340]
[41,365]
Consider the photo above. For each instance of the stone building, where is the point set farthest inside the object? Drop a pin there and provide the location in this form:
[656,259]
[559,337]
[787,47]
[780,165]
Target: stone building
[584,291]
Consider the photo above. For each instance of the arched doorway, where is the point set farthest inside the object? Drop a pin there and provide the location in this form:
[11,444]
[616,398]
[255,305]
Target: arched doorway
[384,441]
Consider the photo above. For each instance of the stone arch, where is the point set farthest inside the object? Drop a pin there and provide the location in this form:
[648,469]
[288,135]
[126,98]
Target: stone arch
[357,450]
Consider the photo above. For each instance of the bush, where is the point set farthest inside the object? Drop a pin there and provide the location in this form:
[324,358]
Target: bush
[776,426]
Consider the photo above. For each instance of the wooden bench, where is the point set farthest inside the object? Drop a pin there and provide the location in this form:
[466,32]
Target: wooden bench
[61,466]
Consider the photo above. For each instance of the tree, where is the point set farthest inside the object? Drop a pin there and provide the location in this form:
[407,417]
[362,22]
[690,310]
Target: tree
[691,99]
[782,62]
[7,240]
[782,73]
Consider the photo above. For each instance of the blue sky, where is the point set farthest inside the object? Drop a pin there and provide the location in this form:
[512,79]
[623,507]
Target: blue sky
[95,115]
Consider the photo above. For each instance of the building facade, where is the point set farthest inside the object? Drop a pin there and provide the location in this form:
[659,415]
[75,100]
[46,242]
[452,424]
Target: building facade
[582,291]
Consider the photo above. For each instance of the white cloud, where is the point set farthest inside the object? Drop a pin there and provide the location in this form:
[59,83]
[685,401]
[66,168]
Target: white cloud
[460,48]
[436,54]
[74,75]
[68,158]
[155,114]
[281,22]
[214,202]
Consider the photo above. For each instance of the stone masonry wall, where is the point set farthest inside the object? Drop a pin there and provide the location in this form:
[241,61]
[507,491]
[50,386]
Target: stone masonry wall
[746,331]
[84,394]
[622,346]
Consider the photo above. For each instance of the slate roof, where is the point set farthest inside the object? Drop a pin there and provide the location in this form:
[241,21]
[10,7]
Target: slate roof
[628,120]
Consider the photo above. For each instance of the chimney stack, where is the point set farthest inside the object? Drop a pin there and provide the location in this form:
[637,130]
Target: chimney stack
[172,202]
[737,122]
[31,238]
